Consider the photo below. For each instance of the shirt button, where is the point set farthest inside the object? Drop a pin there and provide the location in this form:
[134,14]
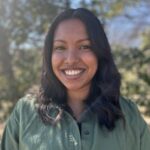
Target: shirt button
[86,132]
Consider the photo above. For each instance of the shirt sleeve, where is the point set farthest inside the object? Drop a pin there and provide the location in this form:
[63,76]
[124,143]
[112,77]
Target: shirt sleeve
[10,138]
[138,131]
[144,130]
[145,138]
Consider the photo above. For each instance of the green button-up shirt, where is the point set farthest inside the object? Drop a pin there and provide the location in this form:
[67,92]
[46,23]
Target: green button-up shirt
[25,131]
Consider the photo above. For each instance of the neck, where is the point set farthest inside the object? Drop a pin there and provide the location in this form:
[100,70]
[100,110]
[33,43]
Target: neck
[77,108]
[78,95]
[76,102]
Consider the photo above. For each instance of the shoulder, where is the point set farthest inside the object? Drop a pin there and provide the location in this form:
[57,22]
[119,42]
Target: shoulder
[133,117]
[128,106]
[27,102]
[129,109]
[25,109]
[136,127]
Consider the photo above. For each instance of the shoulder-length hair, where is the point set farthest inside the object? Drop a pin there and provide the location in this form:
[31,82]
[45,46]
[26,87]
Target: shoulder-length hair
[104,94]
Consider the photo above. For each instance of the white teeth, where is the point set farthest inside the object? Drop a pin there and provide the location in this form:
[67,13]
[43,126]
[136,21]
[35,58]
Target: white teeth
[72,72]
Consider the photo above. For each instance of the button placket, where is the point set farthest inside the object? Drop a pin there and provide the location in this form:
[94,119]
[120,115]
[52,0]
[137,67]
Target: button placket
[88,124]
[86,132]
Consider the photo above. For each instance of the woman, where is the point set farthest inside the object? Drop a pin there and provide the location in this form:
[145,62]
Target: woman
[79,107]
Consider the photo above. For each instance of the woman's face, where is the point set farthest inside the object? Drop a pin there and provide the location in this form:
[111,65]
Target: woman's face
[73,61]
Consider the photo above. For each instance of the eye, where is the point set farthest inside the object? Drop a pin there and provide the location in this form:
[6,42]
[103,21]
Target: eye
[85,47]
[59,48]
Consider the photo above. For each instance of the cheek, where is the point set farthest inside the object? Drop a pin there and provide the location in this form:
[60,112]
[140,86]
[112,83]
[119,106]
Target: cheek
[93,66]
[91,60]
[56,60]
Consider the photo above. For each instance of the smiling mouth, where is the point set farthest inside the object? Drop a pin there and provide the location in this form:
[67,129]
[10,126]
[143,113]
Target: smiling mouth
[73,72]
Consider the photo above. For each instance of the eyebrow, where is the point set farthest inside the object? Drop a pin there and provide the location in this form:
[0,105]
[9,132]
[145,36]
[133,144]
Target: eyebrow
[80,40]
[59,40]
[85,39]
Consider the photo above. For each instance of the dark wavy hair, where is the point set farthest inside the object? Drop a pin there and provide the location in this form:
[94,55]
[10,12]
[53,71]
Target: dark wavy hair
[104,94]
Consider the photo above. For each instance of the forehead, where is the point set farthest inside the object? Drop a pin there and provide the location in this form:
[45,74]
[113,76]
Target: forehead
[71,27]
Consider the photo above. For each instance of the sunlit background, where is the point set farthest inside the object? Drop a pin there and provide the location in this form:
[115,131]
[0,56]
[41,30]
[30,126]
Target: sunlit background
[24,23]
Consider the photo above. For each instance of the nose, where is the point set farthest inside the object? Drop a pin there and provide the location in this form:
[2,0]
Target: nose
[72,57]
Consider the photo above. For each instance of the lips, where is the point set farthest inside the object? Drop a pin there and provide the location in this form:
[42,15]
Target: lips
[72,73]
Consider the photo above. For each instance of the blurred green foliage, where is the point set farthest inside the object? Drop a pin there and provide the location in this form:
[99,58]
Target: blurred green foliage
[22,28]
[134,66]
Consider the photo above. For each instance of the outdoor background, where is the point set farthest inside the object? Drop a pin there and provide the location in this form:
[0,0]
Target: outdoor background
[23,26]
